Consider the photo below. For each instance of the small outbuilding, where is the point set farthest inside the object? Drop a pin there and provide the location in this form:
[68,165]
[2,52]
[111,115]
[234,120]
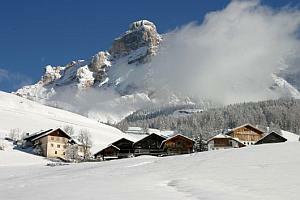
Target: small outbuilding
[221,141]
[272,137]
[149,145]
[178,144]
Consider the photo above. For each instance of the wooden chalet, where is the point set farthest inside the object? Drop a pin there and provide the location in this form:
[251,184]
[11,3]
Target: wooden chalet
[221,141]
[178,144]
[109,153]
[149,145]
[247,134]
[272,137]
[125,148]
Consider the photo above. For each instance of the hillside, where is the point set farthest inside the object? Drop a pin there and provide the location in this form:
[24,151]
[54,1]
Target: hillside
[29,116]
[268,172]
[277,114]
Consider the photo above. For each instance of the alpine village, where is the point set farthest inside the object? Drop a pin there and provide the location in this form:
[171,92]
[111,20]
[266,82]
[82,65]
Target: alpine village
[60,145]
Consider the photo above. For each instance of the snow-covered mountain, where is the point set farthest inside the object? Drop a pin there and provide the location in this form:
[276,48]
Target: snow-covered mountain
[112,84]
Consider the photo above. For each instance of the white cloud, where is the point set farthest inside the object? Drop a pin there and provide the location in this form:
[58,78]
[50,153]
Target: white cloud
[230,56]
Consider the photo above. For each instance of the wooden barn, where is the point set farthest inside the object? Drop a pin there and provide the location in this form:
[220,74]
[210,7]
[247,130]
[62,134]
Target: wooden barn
[221,141]
[247,134]
[149,145]
[178,144]
[272,137]
[108,153]
[125,148]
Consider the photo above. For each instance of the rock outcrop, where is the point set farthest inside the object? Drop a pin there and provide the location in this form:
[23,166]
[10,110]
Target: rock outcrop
[141,39]
[99,65]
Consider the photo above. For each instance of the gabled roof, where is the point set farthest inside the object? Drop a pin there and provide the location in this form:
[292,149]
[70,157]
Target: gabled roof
[120,140]
[45,133]
[37,134]
[245,125]
[272,133]
[220,136]
[226,137]
[109,146]
[178,135]
[163,137]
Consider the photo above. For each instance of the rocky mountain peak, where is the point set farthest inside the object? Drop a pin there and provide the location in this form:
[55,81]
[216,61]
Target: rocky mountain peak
[142,40]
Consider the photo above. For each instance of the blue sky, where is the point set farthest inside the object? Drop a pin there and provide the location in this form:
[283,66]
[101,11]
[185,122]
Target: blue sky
[35,33]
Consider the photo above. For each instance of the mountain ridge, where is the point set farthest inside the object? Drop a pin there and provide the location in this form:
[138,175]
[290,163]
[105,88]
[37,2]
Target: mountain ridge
[114,83]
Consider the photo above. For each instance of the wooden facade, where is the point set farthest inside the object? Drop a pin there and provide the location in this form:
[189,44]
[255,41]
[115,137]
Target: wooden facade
[178,144]
[150,145]
[247,134]
[223,142]
[272,137]
[108,153]
[125,148]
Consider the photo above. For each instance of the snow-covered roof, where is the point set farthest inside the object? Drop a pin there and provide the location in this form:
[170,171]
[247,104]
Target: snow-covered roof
[180,135]
[225,136]
[149,136]
[273,132]
[51,131]
[291,137]
[247,124]
[135,130]
[36,134]
[109,146]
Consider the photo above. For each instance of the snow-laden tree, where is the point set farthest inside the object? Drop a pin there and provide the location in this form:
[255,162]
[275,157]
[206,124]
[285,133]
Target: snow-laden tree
[72,152]
[84,138]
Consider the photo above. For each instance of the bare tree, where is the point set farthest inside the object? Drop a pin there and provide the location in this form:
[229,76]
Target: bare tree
[2,146]
[84,138]
[14,134]
[69,129]
[72,152]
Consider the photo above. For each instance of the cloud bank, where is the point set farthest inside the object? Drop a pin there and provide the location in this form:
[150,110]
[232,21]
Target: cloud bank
[230,56]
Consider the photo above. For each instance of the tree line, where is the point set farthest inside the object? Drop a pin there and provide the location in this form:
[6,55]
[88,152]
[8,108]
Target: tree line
[276,114]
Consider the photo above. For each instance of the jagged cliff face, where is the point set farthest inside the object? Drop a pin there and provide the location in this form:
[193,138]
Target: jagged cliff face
[136,46]
[142,36]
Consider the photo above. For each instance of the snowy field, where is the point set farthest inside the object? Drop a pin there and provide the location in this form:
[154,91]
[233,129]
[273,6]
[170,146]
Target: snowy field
[267,172]
[29,116]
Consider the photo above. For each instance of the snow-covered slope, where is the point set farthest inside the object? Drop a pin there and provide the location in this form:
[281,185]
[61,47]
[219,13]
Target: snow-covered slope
[268,172]
[29,116]
[14,157]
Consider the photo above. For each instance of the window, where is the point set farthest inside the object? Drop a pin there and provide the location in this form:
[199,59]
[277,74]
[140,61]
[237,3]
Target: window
[58,146]
[55,152]
[65,146]
[52,145]
[64,153]
[52,138]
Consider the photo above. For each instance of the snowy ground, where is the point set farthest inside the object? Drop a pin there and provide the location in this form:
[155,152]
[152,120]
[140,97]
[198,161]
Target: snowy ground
[267,172]
[29,116]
